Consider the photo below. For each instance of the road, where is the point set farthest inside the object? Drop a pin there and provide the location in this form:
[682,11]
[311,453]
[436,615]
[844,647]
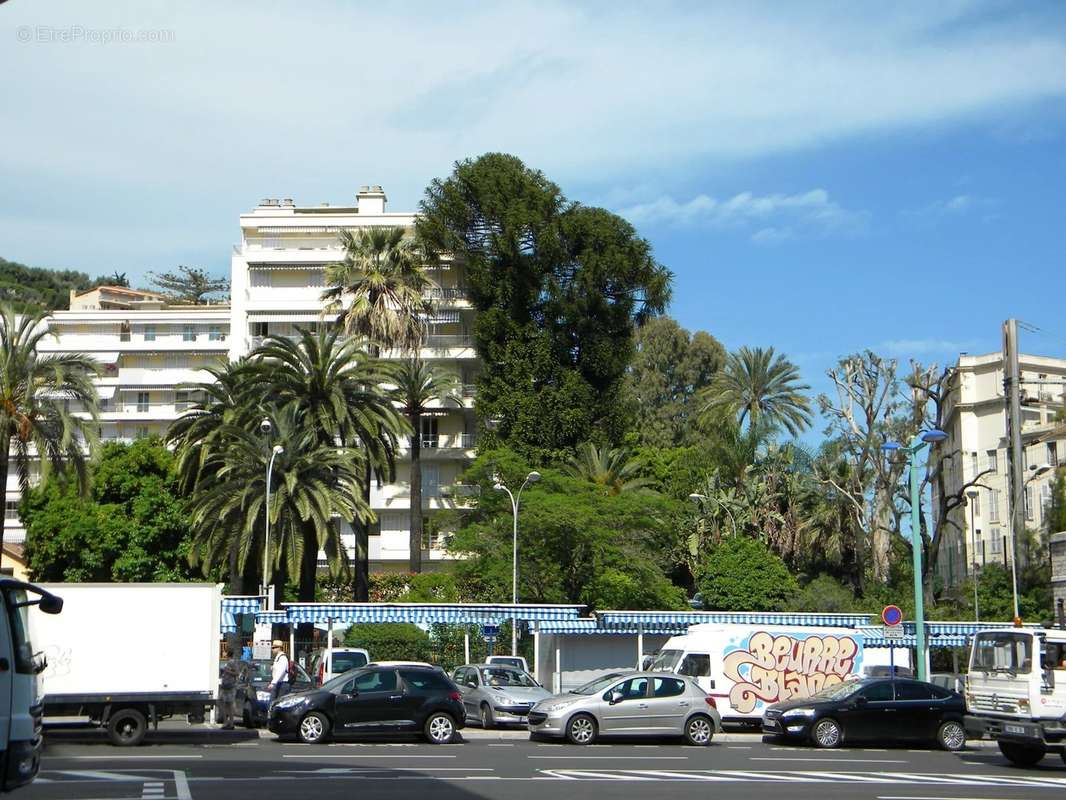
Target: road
[197,764]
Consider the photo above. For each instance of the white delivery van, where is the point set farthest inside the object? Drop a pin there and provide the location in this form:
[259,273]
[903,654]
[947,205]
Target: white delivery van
[126,655]
[748,667]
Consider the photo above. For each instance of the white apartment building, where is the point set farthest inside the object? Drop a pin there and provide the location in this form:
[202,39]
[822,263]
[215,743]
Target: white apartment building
[975,421]
[149,349]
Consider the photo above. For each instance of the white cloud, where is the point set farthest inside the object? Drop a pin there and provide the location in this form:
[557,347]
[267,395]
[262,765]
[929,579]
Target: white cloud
[775,217]
[960,205]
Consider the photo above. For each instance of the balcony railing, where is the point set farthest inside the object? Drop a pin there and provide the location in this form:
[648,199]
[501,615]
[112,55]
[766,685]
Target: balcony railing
[445,341]
[463,441]
[446,293]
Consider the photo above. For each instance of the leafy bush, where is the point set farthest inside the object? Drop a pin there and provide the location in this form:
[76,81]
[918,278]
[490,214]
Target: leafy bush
[742,574]
[390,641]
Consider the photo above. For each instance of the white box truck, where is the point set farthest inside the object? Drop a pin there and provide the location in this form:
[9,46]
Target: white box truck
[126,655]
[748,667]
[20,714]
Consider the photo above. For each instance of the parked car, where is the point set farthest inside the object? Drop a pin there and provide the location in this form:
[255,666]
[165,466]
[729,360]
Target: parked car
[328,664]
[630,704]
[509,661]
[872,709]
[252,695]
[496,694]
[373,700]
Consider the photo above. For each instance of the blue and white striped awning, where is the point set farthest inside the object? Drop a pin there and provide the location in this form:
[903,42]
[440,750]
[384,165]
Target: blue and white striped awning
[425,613]
[241,604]
[635,619]
[590,626]
[273,617]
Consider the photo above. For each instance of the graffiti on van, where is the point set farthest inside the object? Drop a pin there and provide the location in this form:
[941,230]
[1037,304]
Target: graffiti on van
[768,668]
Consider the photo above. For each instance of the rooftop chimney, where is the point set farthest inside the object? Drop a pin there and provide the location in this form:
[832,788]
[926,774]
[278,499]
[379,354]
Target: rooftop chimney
[371,200]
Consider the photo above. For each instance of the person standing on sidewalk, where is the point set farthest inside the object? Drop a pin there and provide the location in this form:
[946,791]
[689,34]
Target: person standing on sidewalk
[227,689]
[279,674]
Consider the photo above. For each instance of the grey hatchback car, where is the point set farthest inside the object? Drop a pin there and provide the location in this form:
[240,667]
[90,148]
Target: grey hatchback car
[497,693]
[629,704]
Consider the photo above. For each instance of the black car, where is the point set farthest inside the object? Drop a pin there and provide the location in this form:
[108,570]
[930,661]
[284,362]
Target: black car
[873,709]
[253,696]
[373,700]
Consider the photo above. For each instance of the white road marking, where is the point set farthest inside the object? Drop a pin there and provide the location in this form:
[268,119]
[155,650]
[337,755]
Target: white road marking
[845,760]
[363,755]
[615,758]
[182,785]
[115,758]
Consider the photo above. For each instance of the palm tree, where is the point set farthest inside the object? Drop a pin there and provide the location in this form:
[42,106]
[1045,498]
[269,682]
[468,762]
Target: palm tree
[609,468]
[759,386]
[36,392]
[337,387]
[380,290]
[417,385]
[312,482]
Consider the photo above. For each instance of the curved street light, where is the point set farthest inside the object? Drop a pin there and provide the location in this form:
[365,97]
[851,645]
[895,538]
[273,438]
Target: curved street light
[278,450]
[919,443]
[499,486]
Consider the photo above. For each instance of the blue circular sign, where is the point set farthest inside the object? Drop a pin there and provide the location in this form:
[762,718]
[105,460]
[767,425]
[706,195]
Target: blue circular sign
[892,615]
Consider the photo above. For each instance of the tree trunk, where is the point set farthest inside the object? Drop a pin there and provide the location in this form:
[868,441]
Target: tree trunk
[5,453]
[361,585]
[415,544]
[236,580]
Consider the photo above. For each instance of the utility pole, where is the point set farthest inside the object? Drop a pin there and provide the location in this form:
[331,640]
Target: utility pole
[1012,389]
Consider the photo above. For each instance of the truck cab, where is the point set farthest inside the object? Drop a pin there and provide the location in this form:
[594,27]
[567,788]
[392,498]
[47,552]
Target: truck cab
[20,711]
[1016,692]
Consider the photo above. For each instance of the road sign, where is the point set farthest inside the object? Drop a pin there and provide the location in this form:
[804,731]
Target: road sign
[892,616]
[489,632]
[893,631]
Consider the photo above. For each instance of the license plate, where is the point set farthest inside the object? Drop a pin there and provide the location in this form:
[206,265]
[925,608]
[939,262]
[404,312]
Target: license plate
[1014,729]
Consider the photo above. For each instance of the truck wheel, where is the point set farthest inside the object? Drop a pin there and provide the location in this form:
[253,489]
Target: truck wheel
[1022,755]
[951,736]
[127,727]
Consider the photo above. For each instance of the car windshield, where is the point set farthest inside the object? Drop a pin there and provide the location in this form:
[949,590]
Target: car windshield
[666,661]
[598,685]
[505,676]
[510,662]
[261,669]
[335,684]
[838,691]
[1008,651]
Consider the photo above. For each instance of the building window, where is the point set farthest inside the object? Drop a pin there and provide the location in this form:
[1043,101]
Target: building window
[260,330]
[993,460]
[104,404]
[124,332]
[976,500]
[1053,453]
[141,432]
[316,278]
[1045,497]
[214,334]
[993,505]
[260,278]
[11,509]
[1028,502]
[188,334]
[997,541]
[181,401]
[430,480]
[973,465]
[1025,459]
[430,437]
[149,333]
[142,402]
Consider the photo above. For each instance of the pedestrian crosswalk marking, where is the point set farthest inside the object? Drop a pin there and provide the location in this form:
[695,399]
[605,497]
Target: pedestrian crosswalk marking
[739,776]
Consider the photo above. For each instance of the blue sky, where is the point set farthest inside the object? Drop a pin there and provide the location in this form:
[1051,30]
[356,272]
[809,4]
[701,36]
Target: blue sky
[820,177]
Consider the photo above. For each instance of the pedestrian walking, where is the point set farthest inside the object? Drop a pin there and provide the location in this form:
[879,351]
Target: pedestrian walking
[279,674]
[227,689]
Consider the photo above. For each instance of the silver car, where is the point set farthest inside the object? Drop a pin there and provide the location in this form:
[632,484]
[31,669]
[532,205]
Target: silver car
[629,704]
[495,693]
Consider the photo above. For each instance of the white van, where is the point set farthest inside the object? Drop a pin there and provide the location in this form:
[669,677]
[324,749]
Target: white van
[748,667]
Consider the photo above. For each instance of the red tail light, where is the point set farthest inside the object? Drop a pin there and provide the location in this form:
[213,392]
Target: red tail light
[454,696]
[711,703]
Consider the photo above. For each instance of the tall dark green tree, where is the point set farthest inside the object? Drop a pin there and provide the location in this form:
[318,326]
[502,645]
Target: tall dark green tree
[190,285]
[38,394]
[560,289]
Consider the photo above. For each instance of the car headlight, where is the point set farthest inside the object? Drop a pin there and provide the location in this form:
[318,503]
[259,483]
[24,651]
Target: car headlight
[262,697]
[502,699]
[556,706]
[290,702]
[799,712]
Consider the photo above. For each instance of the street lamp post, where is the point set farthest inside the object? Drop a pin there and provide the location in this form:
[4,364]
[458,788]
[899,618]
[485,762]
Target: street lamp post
[278,450]
[499,485]
[702,498]
[916,446]
[1037,472]
[972,495]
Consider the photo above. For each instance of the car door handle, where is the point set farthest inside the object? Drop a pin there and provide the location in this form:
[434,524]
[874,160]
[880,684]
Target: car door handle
[642,705]
[396,697]
[684,703]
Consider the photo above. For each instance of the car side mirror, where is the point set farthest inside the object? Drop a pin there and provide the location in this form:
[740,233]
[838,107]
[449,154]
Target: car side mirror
[861,700]
[616,697]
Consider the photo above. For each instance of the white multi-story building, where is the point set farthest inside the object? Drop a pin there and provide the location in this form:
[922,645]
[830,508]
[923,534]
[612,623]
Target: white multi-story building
[149,349]
[975,421]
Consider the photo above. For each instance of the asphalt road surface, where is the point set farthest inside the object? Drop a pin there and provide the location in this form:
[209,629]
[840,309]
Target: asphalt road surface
[201,764]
